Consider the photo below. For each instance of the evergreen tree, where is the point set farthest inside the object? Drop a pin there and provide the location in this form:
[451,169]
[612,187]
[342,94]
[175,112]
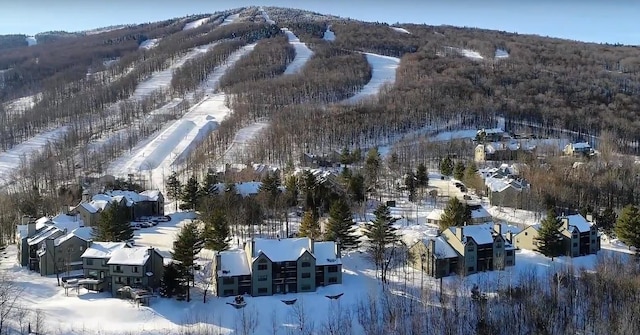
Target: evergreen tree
[346,174]
[270,189]
[340,225]
[187,245]
[170,282]
[309,226]
[627,227]
[607,220]
[345,156]
[216,231]
[209,185]
[309,185]
[422,177]
[410,181]
[174,188]
[549,238]
[190,194]
[472,178]
[446,166]
[291,191]
[113,224]
[455,214]
[381,236]
[356,155]
[458,171]
[356,187]
[372,166]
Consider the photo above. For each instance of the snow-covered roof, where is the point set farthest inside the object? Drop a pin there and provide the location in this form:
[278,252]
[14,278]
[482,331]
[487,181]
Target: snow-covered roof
[325,253]
[491,131]
[233,263]
[480,233]
[435,214]
[581,145]
[442,248]
[502,183]
[281,250]
[69,222]
[103,249]
[244,189]
[151,195]
[480,212]
[579,222]
[49,231]
[129,256]
[83,233]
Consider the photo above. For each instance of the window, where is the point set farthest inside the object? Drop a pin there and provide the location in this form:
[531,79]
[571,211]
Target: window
[333,268]
[228,292]
[305,288]
[70,249]
[526,233]
[82,248]
[92,274]
[470,248]
[135,269]
[262,278]
[138,280]
[509,263]
[262,290]
[333,280]
[89,261]
[104,262]
[306,264]
[470,269]
[509,252]
[228,281]
[593,241]
[498,245]
[118,269]
[575,244]
[306,275]
[262,267]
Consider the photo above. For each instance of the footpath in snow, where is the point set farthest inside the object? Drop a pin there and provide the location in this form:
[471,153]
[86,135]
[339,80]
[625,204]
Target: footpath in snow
[159,155]
[383,71]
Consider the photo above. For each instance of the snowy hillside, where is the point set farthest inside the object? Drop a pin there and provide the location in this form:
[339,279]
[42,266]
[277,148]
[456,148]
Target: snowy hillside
[383,72]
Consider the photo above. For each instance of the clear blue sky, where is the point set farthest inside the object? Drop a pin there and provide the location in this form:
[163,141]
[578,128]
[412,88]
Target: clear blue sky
[611,21]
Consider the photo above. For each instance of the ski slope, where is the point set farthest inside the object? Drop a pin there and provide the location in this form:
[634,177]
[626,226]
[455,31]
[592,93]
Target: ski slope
[242,141]
[195,24]
[329,35]
[303,53]
[12,160]
[266,16]
[167,149]
[401,30]
[230,19]
[149,44]
[383,71]
[501,53]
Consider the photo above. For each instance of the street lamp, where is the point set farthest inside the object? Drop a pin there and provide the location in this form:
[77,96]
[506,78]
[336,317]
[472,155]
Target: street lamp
[423,257]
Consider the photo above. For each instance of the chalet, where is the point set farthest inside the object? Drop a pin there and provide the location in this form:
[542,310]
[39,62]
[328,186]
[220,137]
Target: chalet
[434,256]
[95,266]
[135,267]
[501,151]
[579,236]
[578,149]
[267,267]
[143,204]
[479,215]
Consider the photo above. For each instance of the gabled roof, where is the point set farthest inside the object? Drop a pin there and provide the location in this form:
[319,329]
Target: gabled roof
[151,195]
[83,233]
[442,248]
[281,250]
[233,263]
[103,249]
[325,253]
[435,214]
[130,256]
[48,232]
[579,222]
[480,233]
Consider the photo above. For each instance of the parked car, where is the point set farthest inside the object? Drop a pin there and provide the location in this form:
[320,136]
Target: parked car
[135,225]
[146,224]
[165,218]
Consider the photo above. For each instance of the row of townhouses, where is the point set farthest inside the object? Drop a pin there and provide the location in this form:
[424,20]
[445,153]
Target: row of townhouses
[273,266]
[474,248]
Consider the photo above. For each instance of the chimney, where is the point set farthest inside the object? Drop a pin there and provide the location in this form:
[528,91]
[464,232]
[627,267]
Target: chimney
[218,260]
[497,228]
[253,247]
[311,245]
[150,251]
[565,223]
[86,196]
[589,218]
[509,237]
[438,232]
[432,245]
[338,251]
[31,228]
[459,233]
[26,219]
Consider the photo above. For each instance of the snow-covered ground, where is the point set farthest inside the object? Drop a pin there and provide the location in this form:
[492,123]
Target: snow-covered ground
[31,40]
[383,71]
[303,53]
[237,151]
[471,54]
[149,44]
[159,155]
[329,35]
[400,30]
[196,23]
[11,160]
[230,19]
[18,106]
[501,53]
[266,16]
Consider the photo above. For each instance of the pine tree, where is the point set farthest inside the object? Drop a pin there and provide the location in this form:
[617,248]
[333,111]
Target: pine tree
[216,231]
[455,214]
[381,236]
[174,188]
[170,282]
[356,155]
[209,185]
[372,166]
[340,227]
[309,185]
[446,166]
[410,182]
[458,171]
[356,187]
[472,178]
[309,226]
[627,227]
[270,189]
[422,177]
[607,220]
[190,194]
[549,238]
[113,224]
[291,191]
[345,157]
[187,245]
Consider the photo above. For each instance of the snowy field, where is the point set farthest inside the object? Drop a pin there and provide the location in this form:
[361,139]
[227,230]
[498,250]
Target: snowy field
[383,71]
[12,159]
[401,30]
[196,23]
[159,155]
[303,53]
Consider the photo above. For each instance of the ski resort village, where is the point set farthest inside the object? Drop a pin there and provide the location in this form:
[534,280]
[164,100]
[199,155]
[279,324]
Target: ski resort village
[252,172]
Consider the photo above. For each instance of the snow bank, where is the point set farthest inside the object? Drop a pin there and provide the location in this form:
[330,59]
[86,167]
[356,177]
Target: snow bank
[149,44]
[11,160]
[383,71]
[501,53]
[303,53]
[329,35]
[400,30]
[195,24]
